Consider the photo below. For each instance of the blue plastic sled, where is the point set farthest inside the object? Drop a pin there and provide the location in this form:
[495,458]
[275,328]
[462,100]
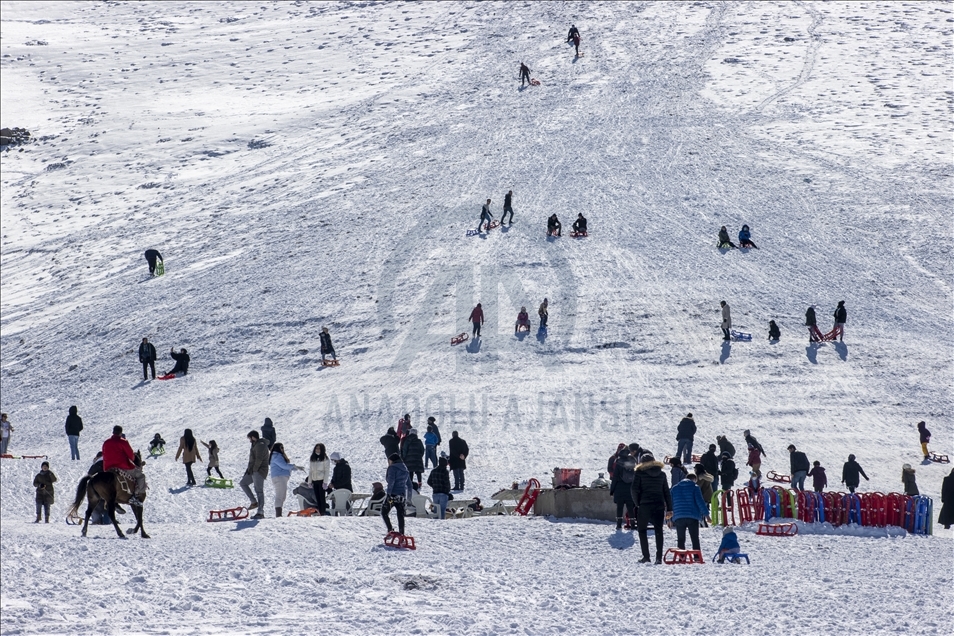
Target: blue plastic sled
[738,336]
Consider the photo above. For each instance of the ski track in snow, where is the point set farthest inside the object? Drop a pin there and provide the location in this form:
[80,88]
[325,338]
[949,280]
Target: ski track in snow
[315,164]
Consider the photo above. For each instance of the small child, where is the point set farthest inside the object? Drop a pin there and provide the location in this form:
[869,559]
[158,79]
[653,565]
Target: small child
[729,545]
[43,482]
[817,473]
[158,445]
[909,481]
[755,483]
[925,439]
[213,458]
[774,333]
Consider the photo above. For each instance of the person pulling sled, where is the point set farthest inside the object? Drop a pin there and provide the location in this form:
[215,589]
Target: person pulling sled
[524,75]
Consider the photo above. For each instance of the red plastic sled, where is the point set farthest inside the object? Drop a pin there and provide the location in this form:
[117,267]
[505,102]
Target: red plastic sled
[777,478]
[675,556]
[307,512]
[530,494]
[935,457]
[777,529]
[230,514]
[534,82]
[330,363]
[459,338]
[168,376]
[400,541]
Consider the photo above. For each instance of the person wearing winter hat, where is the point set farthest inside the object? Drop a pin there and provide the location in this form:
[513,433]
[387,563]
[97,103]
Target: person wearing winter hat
[799,464]
[756,452]
[412,452]
[319,468]
[925,436]
[729,545]
[268,433]
[439,481]
[851,474]
[817,473]
[621,486]
[341,475]
[689,509]
[651,494]
[396,492]
[841,317]
[910,483]
[390,442]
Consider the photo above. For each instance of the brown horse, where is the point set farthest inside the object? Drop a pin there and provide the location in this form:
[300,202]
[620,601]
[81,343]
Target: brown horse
[105,487]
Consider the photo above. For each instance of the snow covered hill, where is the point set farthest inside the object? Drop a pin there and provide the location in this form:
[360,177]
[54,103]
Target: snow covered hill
[314,164]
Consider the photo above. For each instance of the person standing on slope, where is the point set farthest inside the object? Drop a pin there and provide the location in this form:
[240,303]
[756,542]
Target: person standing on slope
[390,442]
[74,424]
[395,492]
[319,469]
[729,473]
[458,450]
[189,451]
[841,317]
[925,436]
[147,357]
[946,517]
[726,320]
[651,494]
[151,257]
[255,473]
[507,208]
[819,479]
[814,335]
[326,347]
[799,464]
[268,432]
[477,318]
[412,452]
[576,42]
[710,463]
[755,452]
[851,474]
[689,510]
[544,313]
[909,481]
[5,429]
[439,481]
[281,469]
[43,482]
[621,485]
[524,74]
[685,434]
[485,215]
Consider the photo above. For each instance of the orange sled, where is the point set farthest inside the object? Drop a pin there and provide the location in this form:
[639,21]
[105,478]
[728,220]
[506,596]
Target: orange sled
[777,529]
[675,556]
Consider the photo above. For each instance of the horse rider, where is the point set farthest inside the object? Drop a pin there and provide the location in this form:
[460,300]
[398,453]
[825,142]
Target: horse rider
[118,457]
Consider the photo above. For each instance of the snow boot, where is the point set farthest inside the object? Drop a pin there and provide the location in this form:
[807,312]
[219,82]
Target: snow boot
[645,559]
[259,516]
[47,519]
[37,519]
[619,523]
[253,505]
[278,512]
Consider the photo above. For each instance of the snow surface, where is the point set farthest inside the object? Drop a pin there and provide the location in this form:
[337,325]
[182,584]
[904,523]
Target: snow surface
[315,164]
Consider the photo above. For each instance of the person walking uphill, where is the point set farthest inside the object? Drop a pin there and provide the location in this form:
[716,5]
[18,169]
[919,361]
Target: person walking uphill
[819,479]
[755,452]
[726,320]
[524,74]
[457,459]
[256,473]
[213,458]
[925,436]
[327,349]
[688,511]
[485,215]
[151,257]
[189,450]
[685,434]
[477,317]
[395,492]
[507,208]
[43,482]
[544,313]
[147,358]
[798,461]
[651,495]
[851,474]
[74,424]
[621,486]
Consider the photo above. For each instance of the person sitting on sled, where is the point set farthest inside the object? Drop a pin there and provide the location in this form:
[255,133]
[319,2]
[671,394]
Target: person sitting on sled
[724,242]
[579,225]
[523,321]
[157,444]
[745,238]
[554,227]
[729,545]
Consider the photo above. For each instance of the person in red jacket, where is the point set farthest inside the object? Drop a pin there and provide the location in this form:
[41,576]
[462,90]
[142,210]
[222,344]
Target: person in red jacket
[119,458]
[477,317]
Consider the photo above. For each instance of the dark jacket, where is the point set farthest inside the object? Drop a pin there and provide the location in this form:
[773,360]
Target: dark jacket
[726,446]
[455,448]
[819,479]
[524,69]
[341,476]
[439,479]
[579,225]
[925,434]
[947,501]
[729,473]
[910,483]
[325,339]
[268,432]
[624,473]
[710,462]
[390,443]
[152,255]
[258,457]
[724,236]
[507,201]
[851,473]
[43,482]
[397,478]
[650,486]
[147,352]
[774,333]
[437,432]
[841,315]
[413,453]
[676,474]
[182,362]
[810,320]
[755,451]
[553,222]
[687,429]
[799,461]
[96,468]
[74,423]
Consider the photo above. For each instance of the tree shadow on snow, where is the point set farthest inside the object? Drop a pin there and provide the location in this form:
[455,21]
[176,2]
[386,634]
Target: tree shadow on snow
[726,351]
[812,352]
[474,346]
[842,350]
[621,540]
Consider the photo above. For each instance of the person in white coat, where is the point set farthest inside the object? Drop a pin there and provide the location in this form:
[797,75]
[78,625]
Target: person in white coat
[726,320]
[280,468]
[319,469]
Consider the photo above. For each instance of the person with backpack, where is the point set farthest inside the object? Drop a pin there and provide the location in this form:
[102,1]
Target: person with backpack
[798,461]
[396,492]
[755,452]
[621,482]
[685,434]
[689,509]
[925,436]
[507,208]
[817,473]
[477,318]
[841,317]
[413,455]
[851,474]
[652,498]
[439,481]
[147,358]
[189,451]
